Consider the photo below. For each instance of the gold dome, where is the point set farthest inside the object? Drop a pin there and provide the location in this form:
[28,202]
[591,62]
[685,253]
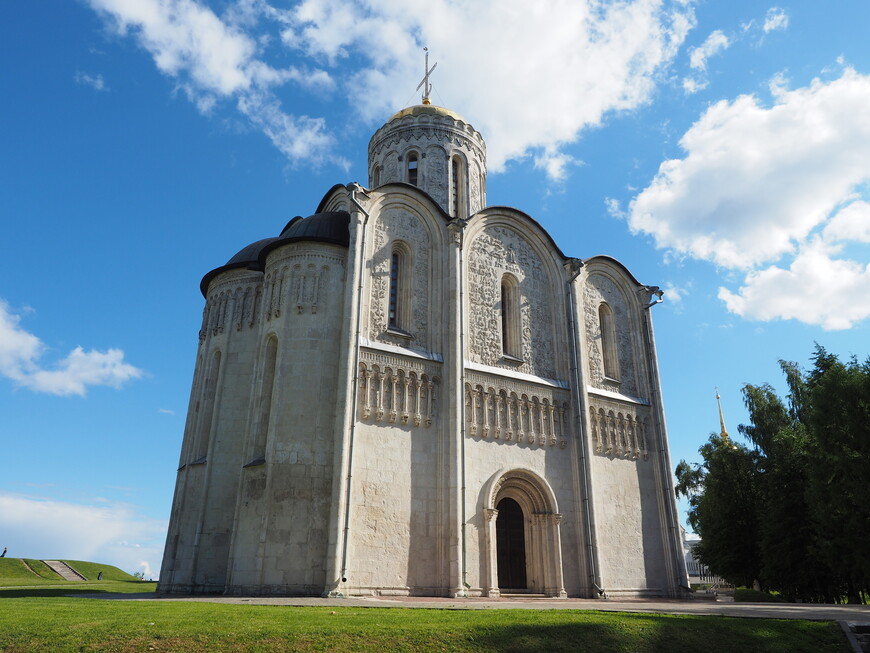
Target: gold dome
[427,110]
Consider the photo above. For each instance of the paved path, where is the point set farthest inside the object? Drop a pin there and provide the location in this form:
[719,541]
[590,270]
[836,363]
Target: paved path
[854,613]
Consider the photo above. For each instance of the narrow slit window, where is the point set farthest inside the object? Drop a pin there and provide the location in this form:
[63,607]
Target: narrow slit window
[211,386]
[400,290]
[454,188]
[457,188]
[376,177]
[265,401]
[395,270]
[412,168]
[608,342]
[510,317]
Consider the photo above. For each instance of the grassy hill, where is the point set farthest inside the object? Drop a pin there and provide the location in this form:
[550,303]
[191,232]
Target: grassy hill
[27,571]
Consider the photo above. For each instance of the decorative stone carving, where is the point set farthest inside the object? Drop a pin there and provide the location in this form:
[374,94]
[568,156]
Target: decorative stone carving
[598,289]
[619,430]
[494,252]
[518,413]
[436,174]
[396,394]
[399,225]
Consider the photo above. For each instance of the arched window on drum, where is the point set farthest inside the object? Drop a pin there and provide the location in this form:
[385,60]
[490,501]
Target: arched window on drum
[413,168]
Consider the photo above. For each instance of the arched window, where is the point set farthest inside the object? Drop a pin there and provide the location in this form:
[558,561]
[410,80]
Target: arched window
[399,310]
[376,177]
[608,342]
[412,168]
[258,455]
[510,317]
[457,188]
[208,408]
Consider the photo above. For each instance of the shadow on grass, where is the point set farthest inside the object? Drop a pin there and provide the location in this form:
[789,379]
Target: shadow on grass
[638,633]
[43,592]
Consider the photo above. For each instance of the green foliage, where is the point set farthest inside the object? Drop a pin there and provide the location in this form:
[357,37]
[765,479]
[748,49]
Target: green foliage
[723,493]
[745,595]
[800,495]
[69,624]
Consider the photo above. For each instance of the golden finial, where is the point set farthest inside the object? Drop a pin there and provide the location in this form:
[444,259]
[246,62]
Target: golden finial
[724,432]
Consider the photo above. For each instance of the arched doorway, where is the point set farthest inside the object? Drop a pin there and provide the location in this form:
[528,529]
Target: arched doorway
[521,537]
[510,535]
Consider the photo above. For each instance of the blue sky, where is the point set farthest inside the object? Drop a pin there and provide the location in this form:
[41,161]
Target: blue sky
[720,150]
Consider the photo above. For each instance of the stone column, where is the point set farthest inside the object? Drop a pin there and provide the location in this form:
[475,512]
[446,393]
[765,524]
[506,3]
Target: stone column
[491,553]
[345,412]
[454,398]
[554,527]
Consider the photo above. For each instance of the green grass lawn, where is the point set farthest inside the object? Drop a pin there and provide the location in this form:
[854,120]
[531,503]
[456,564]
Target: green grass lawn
[39,611]
[58,623]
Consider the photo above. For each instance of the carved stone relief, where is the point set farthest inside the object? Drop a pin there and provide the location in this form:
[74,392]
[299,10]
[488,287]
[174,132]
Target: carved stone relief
[396,394]
[619,431]
[391,168]
[393,225]
[598,289]
[436,174]
[474,190]
[494,252]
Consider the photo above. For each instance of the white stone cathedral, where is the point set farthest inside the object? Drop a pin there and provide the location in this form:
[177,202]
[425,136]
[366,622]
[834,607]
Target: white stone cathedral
[411,393]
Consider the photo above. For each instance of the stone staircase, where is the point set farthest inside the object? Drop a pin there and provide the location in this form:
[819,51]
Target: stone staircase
[719,591]
[64,570]
[859,635]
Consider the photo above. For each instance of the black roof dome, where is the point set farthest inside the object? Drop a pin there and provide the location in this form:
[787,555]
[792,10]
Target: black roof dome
[328,227]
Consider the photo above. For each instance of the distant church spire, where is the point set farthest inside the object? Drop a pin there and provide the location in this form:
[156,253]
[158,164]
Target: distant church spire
[427,87]
[724,432]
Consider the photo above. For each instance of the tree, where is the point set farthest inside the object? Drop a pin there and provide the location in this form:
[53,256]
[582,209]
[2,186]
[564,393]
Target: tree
[800,495]
[839,479]
[723,500]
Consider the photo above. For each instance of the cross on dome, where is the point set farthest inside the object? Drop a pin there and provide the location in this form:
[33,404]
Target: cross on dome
[427,87]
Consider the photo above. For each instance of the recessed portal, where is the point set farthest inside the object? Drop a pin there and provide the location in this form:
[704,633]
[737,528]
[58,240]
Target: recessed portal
[511,546]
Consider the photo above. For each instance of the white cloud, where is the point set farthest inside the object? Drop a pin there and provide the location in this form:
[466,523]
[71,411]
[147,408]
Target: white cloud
[715,43]
[94,81]
[693,85]
[166,411]
[213,59]
[99,531]
[20,352]
[502,64]
[674,294]
[759,184]
[776,19]
[815,289]
[851,223]
[756,180]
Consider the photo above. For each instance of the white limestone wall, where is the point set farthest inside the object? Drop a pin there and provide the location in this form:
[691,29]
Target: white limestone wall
[628,488]
[629,526]
[198,544]
[396,514]
[284,503]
